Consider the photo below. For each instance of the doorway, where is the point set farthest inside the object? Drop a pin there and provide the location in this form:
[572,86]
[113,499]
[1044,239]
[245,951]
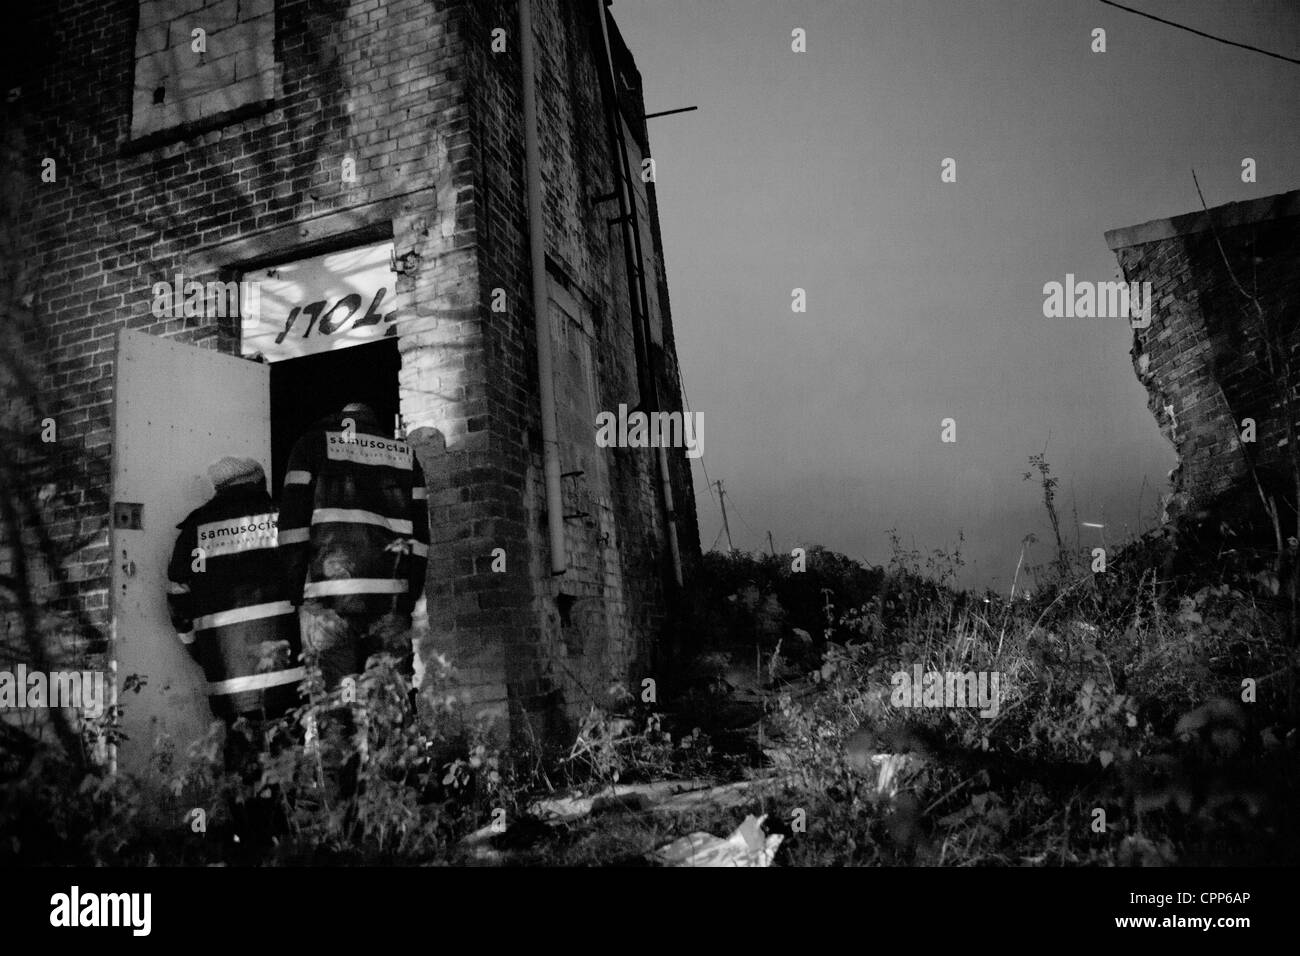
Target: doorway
[305,389]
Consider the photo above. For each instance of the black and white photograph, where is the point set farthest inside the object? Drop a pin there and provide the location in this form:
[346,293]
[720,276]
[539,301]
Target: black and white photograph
[447,441]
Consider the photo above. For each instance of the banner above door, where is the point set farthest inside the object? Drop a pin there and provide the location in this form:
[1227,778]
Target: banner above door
[323,303]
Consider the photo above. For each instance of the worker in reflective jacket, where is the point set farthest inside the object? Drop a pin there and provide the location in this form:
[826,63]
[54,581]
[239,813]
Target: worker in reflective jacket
[354,530]
[228,597]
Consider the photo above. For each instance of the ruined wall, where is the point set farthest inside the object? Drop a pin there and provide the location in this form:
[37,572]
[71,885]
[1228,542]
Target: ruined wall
[1203,359]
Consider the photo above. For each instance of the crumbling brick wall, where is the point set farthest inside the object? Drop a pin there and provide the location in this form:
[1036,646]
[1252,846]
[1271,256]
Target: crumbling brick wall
[1203,358]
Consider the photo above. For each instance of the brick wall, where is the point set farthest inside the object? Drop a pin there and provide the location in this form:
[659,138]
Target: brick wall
[120,217]
[412,92]
[1202,359]
[575,636]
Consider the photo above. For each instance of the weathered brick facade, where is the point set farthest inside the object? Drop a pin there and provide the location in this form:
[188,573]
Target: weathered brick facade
[1203,358]
[412,92]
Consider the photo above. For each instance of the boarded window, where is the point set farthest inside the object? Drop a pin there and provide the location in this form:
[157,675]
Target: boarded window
[576,394]
[196,60]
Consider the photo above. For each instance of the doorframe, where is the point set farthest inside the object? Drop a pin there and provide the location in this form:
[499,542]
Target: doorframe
[371,222]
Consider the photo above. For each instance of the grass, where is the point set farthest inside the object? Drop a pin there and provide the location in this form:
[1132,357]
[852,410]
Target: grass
[1145,718]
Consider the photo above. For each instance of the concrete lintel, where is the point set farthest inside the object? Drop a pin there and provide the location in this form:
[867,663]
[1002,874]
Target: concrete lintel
[1226,216]
[298,238]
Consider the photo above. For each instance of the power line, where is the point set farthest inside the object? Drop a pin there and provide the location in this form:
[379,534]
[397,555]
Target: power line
[716,538]
[708,483]
[681,379]
[1200,33]
[742,517]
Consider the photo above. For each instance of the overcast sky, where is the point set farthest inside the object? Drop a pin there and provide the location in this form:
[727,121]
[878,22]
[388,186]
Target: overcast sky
[821,170]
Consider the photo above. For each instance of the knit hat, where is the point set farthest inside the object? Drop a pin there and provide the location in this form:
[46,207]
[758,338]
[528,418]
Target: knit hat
[230,470]
[359,409]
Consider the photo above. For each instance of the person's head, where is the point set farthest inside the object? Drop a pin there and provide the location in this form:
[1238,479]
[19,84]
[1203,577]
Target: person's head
[358,410]
[230,472]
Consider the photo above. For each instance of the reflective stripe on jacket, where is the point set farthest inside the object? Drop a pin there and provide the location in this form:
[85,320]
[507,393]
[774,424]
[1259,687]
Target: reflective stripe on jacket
[354,525]
[228,599]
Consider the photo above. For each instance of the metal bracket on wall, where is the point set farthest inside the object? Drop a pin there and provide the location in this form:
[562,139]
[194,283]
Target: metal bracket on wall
[681,109]
[128,515]
[405,264]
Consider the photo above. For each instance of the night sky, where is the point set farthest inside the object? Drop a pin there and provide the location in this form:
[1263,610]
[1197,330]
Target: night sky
[821,170]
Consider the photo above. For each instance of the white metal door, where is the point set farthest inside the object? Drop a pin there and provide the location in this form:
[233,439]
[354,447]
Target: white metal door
[176,408]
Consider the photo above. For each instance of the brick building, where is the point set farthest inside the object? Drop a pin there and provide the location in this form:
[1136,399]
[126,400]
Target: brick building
[361,158]
[1218,281]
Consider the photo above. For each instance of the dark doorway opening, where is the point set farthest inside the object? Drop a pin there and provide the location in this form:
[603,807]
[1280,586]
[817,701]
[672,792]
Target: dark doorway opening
[304,390]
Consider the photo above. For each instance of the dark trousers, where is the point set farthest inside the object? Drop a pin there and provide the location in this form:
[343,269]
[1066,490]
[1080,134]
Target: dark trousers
[256,816]
[339,644]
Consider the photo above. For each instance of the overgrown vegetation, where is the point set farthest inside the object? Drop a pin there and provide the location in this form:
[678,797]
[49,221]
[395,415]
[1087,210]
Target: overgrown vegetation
[1105,681]
[1143,719]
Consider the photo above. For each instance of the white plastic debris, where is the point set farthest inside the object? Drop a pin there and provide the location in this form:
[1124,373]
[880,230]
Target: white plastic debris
[748,846]
[890,769]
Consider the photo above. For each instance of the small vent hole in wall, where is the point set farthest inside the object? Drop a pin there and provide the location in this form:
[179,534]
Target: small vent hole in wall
[159,94]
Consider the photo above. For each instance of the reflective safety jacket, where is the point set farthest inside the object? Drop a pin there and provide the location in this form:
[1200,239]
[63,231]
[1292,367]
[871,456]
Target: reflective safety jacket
[228,599]
[354,524]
